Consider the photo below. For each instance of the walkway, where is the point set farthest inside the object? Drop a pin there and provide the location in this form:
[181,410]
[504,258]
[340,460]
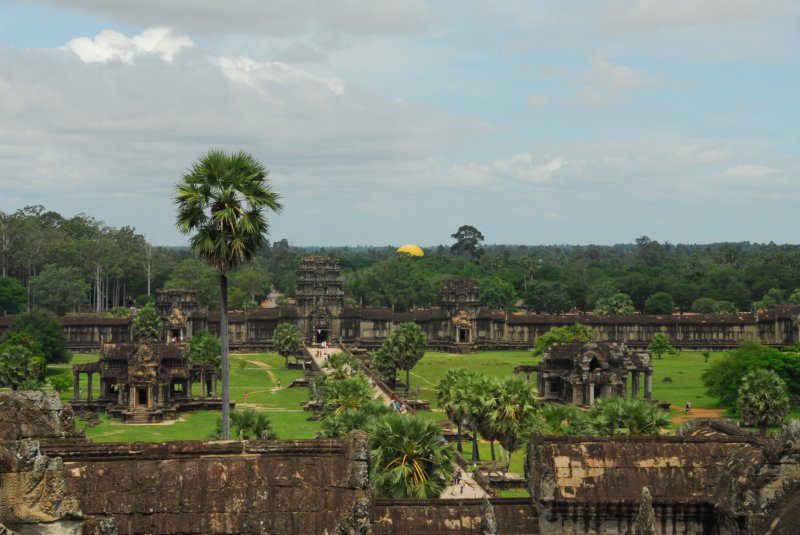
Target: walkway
[467,488]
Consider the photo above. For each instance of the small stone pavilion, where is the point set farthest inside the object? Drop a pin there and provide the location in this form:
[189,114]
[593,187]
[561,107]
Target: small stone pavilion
[145,382]
[577,373]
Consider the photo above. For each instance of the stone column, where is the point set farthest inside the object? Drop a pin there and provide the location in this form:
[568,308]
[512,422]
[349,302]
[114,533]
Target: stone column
[591,394]
[89,386]
[76,386]
[624,392]
[635,384]
[119,394]
[203,387]
[214,384]
[575,393]
[648,385]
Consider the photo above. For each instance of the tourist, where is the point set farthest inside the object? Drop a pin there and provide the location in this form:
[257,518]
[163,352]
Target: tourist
[687,407]
[279,383]
[245,396]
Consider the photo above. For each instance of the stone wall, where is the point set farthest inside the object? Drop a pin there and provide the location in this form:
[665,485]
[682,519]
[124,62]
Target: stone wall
[220,487]
[512,516]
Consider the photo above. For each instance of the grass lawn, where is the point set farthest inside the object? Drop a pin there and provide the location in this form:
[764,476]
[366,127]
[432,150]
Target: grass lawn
[684,369]
[257,374]
[434,365]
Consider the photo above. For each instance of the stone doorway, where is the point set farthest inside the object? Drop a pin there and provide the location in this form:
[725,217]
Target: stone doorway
[141,396]
[321,335]
[463,335]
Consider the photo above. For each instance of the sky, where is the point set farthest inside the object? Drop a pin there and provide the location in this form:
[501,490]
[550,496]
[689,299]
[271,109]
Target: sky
[398,121]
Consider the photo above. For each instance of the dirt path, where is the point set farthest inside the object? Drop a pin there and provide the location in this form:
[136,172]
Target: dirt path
[270,374]
[697,413]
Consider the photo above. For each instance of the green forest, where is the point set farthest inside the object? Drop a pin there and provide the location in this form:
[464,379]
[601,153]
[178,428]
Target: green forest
[81,265]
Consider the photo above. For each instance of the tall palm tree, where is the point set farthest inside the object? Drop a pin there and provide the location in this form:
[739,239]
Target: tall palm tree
[287,340]
[248,424]
[221,202]
[408,458]
[453,398]
[513,413]
[763,399]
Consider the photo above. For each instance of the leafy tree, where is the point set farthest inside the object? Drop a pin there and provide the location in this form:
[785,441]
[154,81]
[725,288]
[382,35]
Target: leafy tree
[619,304]
[468,241]
[196,275]
[576,332]
[407,458]
[660,345]
[763,399]
[794,297]
[12,296]
[773,297]
[17,366]
[621,416]
[497,293]
[705,305]
[204,348]
[247,424]
[146,324]
[726,307]
[405,347]
[385,366]
[59,289]
[659,303]
[221,201]
[42,326]
[253,280]
[61,382]
[287,340]
[398,282]
[546,296]
[723,378]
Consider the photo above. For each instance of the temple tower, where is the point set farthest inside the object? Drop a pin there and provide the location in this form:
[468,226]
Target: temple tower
[320,297]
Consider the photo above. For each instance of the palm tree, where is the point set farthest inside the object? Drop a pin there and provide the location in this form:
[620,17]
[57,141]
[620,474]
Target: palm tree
[408,458]
[248,424]
[343,394]
[287,340]
[453,397]
[221,201]
[621,416]
[763,399]
[557,419]
[335,426]
[513,413]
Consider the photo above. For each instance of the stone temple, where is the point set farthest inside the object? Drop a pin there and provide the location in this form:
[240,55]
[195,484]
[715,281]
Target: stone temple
[577,373]
[457,323]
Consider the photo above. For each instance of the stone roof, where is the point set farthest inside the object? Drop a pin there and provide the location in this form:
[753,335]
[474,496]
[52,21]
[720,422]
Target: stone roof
[604,470]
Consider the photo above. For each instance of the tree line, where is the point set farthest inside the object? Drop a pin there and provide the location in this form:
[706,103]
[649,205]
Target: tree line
[80,264]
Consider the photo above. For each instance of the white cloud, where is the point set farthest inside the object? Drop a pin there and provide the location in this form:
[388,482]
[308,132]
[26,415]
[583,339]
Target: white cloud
[749,172]
[606,82]
[258,75]
[267,17]
[539,101]
[639,15]
[111,45]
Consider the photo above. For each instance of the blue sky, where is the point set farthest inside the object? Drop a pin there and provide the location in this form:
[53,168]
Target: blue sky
[399,121]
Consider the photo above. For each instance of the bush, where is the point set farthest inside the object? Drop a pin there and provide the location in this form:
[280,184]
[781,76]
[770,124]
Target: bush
[723,378]
[666,380]
[42,326]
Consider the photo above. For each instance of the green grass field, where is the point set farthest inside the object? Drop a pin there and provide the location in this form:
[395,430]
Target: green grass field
[257,374]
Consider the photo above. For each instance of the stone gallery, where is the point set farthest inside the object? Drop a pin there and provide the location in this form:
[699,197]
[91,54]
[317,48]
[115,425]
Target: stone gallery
[711,480]
[457,324]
